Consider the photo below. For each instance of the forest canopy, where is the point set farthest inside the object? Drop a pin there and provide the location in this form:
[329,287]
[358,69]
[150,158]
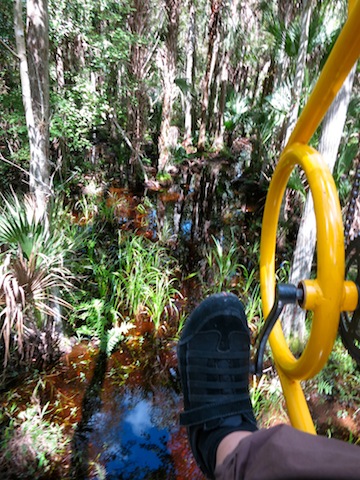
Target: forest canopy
[135,87]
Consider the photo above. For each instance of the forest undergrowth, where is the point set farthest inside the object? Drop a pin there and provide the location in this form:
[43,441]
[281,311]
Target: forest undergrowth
[128,291]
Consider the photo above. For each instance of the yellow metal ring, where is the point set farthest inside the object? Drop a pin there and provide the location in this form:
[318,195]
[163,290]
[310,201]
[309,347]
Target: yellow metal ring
[325,293]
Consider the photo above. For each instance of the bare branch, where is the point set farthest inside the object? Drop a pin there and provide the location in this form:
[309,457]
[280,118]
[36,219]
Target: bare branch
[9,48]
[13,164]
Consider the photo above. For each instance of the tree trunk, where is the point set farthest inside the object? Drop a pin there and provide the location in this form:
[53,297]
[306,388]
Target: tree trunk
[34,73]
[286,12]
[214,23]
[138,102]
[214,89]
[190,49]
[220,128]
[59,65]
[37,40]
[332,127]
[167,57]
[300,68]
[33,54]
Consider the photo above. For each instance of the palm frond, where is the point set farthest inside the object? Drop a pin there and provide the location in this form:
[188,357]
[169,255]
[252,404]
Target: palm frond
[32,272]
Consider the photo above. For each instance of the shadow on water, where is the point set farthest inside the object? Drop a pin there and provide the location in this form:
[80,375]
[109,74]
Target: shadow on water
[91,404]
[129,421]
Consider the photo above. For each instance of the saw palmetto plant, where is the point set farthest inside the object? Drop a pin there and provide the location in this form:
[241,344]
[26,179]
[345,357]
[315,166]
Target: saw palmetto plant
[32,275]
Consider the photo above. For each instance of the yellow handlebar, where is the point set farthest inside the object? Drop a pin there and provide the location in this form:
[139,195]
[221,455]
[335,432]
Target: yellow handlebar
[329,293]
[341,59]
[326,296]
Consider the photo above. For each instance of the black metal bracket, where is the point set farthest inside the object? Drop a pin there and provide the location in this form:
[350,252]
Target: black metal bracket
[285,294]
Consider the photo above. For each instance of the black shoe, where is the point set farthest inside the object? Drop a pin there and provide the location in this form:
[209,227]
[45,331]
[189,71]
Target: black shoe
[213,356]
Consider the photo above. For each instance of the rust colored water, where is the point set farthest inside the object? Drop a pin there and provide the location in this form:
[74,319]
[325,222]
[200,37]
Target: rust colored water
[126,413]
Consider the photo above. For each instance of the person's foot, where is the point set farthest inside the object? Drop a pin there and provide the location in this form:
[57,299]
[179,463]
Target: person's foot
[213,356]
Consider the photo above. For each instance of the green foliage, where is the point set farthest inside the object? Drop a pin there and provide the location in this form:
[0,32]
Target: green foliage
[222,265]
[224,272]
[339,378]
[33,270]
[236,109]
[136,280]
[343,180]
[95,302]
[31,444]
[114,336]
[146,278]
[76,113]
[249,292]
[267,399]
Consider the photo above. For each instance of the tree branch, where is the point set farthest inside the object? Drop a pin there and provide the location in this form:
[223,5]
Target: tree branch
[10,49]
[129,144]
[13,164]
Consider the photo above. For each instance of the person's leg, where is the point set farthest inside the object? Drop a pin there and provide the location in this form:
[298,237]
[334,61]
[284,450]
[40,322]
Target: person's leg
[284,453]
[213,354]
[228,445]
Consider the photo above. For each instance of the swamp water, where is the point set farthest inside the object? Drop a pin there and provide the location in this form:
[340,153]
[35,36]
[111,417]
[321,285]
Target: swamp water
[122,412]
[130,428]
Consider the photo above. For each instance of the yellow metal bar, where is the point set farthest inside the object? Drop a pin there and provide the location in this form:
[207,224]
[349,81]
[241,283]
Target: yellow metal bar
[328,287]
[328,294]
[351,5]
[350,297]
[330,258]
[296,404]
[341,59]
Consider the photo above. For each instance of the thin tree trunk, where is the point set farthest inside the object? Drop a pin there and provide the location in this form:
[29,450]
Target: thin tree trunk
[138,101]
[37,40]
[23,67]
[332,127]
[285,12]
[300,68]
[190,48]
[214,22]
[59,63]
[167,57]
[220,127]
[33,54]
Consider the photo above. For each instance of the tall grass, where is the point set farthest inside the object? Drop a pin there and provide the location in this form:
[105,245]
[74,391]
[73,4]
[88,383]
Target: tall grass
[225,272]
[222,266]
[132,280]
[146,279]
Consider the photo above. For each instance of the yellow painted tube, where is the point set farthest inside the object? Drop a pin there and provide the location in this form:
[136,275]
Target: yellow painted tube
[342,58]
[325,294]
[296,404]
[350,297]
[329,285]
[351,5]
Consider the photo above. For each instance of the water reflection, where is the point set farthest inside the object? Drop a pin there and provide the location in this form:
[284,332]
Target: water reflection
[133,443]
[129,426]
[136,436]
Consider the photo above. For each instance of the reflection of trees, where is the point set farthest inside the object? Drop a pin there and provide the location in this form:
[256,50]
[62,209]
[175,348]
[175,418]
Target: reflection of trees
[206,196]
[164,417]
[197,203]
[91,404]
[133,446]
[130,471]
[106,434]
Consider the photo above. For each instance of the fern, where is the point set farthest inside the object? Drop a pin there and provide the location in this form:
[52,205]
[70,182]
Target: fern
[116,335]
